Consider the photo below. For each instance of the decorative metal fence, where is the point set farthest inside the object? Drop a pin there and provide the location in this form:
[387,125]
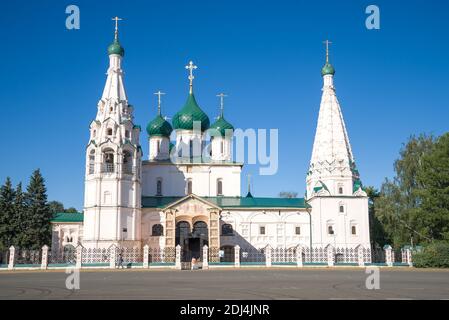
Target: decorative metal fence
[345,255]
[252,255]
[64,256]
[283,256]
[378,255]
[95,256]
[4,258]
[161,256]
[27,257]
[316,255]
[131,255]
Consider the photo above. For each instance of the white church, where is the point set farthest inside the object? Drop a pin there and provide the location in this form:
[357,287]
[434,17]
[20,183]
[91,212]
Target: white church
[188,192]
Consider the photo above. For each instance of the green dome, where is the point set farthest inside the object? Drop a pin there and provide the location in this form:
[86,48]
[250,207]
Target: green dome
[159,127]
[191,112]
[327,69]
[221,125]
[116,48]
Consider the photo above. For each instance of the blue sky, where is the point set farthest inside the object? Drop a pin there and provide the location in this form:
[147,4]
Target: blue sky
[266,55]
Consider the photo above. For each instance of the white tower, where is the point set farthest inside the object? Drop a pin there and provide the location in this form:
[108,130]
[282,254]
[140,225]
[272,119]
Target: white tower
[333,185]
[113,158]
[221,141]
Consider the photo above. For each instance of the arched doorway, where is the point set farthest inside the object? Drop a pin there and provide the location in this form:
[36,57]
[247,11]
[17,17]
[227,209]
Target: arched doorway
[192,242]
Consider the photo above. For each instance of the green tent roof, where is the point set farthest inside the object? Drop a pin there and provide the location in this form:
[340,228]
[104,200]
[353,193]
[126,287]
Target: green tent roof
[68,217]
[232,202]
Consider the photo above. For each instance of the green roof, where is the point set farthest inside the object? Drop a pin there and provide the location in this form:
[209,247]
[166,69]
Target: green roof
[327,69]
[116,48]
[190,113]
[159,127]
[68,217]
[232,202]
[222,125]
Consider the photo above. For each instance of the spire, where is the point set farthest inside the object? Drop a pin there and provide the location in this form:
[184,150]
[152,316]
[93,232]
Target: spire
[114,87]
[191,67]
[159,94]
[249,195]
[332,156]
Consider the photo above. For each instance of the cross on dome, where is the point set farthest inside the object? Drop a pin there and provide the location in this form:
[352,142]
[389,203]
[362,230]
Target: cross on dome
[191,67]
[159,93]
[116,19]
[222,96]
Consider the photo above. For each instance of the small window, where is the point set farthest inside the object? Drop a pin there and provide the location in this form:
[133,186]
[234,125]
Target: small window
[342,209]
[111,109]
[158,146]
[353,230]
[222,147]
[262,230]
[226,230]
[159,187]
[330,230]
[95,133]
[125,229]
[109,132]
[340,190]
[157,230]
[189,186]
[297,230]
[126,134]
[219,187]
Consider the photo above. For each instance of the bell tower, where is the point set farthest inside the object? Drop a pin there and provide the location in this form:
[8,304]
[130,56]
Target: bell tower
[112,193]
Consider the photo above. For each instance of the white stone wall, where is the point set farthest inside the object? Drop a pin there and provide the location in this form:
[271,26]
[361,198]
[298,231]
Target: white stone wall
[204,179]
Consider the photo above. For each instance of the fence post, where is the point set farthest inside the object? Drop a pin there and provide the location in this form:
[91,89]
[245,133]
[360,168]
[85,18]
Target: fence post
[146,253]
[79,256]
[360,257]
[388,255]
[44,261]
[205,264]
[12,252]
[178,257]
[409,257]
[268,255]
[112,256]
[330,256]
[237,256]
[299,261]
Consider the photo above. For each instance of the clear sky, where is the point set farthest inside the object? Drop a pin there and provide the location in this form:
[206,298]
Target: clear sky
[266,55]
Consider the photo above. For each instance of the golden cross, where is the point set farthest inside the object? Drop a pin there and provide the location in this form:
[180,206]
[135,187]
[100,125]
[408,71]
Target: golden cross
[327,43]
[159,94]
[191,67]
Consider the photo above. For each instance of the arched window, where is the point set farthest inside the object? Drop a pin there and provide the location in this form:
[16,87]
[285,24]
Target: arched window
[92,162]
[158,146]
[108,160]
[330,230]
[157,230]
[227,230]
[159,187]
[182,232]
[222,146]
[94,134]
[191,148]
[200,230]
[354,230]
[342,208]
[219,187]
[109,132]
[127,162]
[189,186]
[340,190]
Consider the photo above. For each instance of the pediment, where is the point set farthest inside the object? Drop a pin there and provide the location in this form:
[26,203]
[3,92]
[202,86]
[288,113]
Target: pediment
[192,204]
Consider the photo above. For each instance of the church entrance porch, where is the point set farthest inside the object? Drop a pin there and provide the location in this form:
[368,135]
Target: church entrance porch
[192,240]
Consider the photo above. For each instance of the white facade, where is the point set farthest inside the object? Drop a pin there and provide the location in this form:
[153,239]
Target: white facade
[131,202]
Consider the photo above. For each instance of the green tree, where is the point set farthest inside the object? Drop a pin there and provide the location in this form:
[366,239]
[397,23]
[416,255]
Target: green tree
[19,222]
[434,193]
[377,232]
[38,214]
[6,214]
[71,210]
[55,207]
[398,207]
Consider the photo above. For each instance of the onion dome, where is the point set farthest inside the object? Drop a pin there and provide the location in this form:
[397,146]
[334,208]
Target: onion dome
[184,119]
[116,48]
[327,69]
[222,125]
[159,127]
